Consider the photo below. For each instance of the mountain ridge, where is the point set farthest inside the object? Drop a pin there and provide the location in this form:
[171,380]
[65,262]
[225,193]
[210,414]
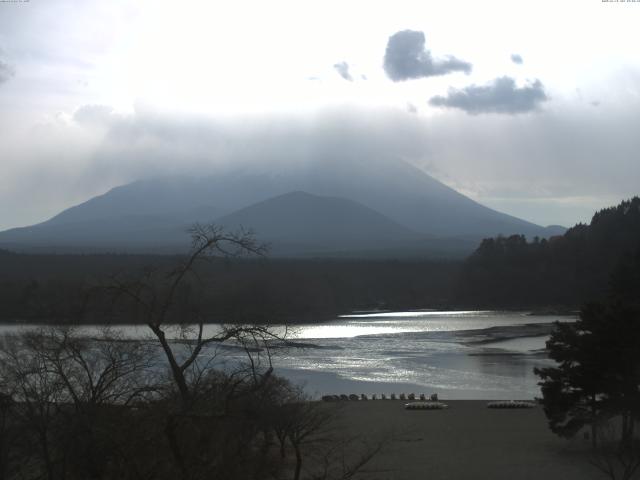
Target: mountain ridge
[320,222]
[158,210]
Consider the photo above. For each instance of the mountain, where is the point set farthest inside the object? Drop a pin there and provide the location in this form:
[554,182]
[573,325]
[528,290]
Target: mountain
[135,233]
[154,213]
[296,223]
[411,197]
[299,221]
[553,231]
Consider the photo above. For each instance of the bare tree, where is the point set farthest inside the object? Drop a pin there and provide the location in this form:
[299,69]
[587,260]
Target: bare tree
[6,405]
[322,448]
[27,379]
[168,304]
[155,295]
[106,369]
[69,393]
[347,457]
[618,460]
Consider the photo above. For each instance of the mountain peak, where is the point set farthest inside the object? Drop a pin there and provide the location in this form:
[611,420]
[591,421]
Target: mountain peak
[333,195]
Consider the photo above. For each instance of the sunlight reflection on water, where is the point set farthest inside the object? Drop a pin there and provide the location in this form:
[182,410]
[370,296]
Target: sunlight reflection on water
[421,351]
[419,313]
[425,350]
[349,326]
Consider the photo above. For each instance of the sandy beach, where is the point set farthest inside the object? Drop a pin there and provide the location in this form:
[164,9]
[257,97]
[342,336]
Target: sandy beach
[466,441]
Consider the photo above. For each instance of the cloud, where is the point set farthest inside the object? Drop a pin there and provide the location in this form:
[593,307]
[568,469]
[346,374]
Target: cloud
[515,58]
[96,115]
[6,72]
[511,164]
[343,70]
[406,58]
[500,96]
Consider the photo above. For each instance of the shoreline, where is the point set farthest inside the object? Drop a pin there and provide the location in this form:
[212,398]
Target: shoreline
[530,311]
[319,383]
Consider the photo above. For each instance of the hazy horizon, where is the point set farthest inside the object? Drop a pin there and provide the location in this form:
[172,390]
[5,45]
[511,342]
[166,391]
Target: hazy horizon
[528,109]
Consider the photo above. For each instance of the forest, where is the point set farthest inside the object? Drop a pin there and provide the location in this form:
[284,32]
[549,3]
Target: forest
[563,271]
[513,272]
[59,288]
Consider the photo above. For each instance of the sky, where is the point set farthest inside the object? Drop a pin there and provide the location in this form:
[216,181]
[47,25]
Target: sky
[531,108]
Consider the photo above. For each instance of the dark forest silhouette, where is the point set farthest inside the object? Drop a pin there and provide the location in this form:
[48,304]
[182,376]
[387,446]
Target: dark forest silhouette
[512,272]
[564,271]
[59,288]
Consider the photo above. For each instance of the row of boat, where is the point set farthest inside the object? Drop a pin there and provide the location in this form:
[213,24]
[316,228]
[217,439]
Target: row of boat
[353,397]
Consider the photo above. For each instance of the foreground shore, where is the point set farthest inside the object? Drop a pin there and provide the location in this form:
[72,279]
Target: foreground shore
[465,441]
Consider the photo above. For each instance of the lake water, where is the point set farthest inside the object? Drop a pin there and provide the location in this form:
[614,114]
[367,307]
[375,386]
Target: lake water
[458,355]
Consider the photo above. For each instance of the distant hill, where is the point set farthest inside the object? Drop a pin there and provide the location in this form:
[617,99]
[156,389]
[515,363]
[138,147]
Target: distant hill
[293,224]
[553,230]
[153,214]
[126,233]
[306,223]
[564,270]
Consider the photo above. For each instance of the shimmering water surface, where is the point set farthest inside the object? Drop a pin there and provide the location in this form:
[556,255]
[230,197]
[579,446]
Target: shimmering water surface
[457,354]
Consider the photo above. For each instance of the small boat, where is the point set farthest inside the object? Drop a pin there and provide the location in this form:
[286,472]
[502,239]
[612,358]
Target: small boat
[426,406]
[511,404]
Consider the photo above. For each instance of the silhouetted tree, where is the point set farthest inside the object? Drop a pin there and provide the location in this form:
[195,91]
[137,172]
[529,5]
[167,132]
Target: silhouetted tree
[6,437]
[64,389]
[598,372]
[162,301]
[573,391]
[565,271]
[617,461]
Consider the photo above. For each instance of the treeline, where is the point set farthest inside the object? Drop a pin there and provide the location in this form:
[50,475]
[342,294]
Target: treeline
[59,288]
[504,272]
[563,271]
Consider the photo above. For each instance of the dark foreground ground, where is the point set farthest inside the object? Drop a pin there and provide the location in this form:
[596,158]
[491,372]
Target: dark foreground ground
[467,441]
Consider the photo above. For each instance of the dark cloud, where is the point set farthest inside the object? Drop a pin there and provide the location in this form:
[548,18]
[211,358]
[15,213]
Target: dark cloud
[343,70]
[6,72]
[407,58]
[515,58]
[500,96]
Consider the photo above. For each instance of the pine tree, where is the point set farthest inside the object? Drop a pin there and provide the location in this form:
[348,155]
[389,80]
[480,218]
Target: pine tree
[598,371]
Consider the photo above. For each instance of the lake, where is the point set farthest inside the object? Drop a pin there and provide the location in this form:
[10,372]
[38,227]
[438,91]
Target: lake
[456,354]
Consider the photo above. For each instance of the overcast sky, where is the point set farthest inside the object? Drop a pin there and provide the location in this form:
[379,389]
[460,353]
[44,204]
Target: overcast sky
[532,108]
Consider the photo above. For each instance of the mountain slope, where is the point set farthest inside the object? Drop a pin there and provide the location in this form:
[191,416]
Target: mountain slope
[156,211]
[137,233]
[314,223]
[394,188]
[296,223]
[409,196]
